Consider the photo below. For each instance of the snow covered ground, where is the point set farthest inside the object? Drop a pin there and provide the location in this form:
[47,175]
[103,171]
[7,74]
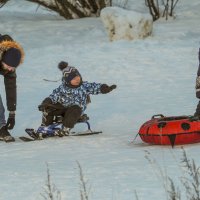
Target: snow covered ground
[155,75]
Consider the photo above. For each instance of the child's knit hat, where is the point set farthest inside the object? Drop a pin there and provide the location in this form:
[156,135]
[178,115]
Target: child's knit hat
[69,72]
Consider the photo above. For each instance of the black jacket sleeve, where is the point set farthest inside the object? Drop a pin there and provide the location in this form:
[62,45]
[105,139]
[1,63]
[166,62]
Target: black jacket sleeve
[11,91]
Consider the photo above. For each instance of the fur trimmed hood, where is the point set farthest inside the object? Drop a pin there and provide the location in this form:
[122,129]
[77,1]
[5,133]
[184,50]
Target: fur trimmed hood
[5,45]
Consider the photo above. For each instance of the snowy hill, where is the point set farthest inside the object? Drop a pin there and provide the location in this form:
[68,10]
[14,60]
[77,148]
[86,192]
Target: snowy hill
[155,75]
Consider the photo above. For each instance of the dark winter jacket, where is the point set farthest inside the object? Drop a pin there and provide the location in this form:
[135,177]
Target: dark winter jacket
[10,77]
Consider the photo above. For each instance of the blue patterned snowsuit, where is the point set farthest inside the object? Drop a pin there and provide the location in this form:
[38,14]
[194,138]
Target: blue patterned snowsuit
[75,96]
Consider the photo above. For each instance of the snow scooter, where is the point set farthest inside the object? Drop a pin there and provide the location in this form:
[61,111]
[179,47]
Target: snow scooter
[49,131]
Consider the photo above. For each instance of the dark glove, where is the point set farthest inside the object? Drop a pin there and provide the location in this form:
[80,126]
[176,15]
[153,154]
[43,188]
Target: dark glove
[41,108]
[106,89]
[11,120]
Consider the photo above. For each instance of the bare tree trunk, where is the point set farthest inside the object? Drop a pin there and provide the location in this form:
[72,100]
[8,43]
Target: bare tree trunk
[71,9]
[74,9]
[169,6]
[3,2]
[45,4]
[166,10]
[157,4]
[153,9]
[173,7]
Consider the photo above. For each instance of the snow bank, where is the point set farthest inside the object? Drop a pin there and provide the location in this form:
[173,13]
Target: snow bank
[125,24]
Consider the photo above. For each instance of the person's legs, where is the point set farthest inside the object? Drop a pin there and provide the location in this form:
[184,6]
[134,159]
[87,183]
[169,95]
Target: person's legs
[49,111]
[4,133]
[71,116]
[2,114]
[197,113]
[47,119]
[48,116]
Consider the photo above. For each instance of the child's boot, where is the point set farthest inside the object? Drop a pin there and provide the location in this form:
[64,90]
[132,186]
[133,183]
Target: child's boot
[62,132]
[5,135]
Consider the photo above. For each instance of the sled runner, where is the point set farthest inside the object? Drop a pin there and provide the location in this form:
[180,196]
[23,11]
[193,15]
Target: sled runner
[50,131]
[174,130]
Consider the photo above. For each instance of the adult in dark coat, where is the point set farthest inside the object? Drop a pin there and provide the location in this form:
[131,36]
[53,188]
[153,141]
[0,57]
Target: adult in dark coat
[11,56]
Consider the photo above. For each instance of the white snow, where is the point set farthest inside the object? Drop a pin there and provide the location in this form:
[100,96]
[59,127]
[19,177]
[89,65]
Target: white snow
[122,24]
[154,75]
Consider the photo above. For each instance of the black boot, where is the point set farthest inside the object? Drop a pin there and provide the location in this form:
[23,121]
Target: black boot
[193,118]
[196,116]
[5,135]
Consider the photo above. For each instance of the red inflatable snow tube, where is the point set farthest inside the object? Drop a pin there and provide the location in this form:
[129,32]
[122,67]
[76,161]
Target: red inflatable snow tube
[175,130]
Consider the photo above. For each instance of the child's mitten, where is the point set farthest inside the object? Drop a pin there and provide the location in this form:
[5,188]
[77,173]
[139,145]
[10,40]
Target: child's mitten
[106,89]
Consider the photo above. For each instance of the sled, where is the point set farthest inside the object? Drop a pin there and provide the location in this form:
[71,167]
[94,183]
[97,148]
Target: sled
[173,130]
[49,132]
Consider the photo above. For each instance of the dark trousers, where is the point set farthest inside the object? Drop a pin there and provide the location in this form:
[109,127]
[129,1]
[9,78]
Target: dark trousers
[197,113]
[2,114]
[69,115]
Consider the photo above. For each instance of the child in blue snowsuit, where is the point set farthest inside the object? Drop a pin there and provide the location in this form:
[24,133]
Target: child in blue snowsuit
[70,99]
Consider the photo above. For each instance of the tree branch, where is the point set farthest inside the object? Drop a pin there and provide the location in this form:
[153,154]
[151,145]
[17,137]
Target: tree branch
[3,2]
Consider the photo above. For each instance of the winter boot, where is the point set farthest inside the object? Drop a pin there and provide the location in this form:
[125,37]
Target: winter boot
[62,132]
[194,118]
[5,135]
